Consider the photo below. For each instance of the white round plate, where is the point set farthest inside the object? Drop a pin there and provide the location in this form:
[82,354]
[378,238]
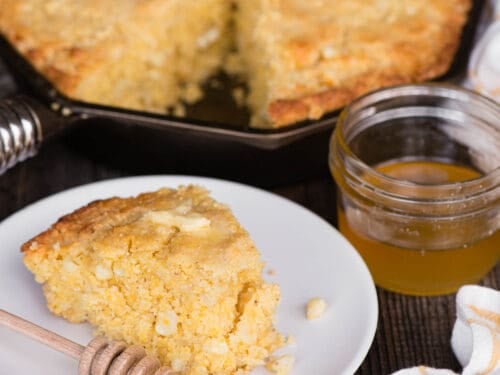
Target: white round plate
[308,256]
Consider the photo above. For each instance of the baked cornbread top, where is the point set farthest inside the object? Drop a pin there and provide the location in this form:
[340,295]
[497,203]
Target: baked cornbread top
[301,58]
[137,54]
[171,270]
[185,225]
[68,40]
[319,55]
[345,28]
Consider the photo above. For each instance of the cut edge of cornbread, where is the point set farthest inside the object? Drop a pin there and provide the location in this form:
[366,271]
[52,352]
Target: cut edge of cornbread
[304,59]
[170,270]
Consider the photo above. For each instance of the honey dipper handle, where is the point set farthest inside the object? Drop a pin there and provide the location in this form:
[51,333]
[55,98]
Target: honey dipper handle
[40,334]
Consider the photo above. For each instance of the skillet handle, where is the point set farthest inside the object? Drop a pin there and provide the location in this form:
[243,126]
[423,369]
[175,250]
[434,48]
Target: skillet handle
[21,129]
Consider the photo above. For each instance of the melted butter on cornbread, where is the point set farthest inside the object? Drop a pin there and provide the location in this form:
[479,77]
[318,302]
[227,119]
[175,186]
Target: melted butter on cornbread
[194,223]
[171,270]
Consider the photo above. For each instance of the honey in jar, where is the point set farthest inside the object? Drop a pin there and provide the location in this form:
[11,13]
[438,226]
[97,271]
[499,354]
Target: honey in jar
[419,270]
[417,169]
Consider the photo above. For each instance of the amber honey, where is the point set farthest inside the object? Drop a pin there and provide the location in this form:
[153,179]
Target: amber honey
[417,270]
[417,169]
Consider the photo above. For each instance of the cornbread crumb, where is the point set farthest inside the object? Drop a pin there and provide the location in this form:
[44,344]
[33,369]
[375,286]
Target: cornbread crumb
[102,272]
[166,323]
[290,340]
[215,83]
[271,272]
[281,365]
[179,110]
[66,112]
[315,308]
[192,93]
[238,94]
[170,270]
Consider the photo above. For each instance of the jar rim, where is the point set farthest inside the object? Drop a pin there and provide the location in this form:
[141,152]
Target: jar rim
[373,179]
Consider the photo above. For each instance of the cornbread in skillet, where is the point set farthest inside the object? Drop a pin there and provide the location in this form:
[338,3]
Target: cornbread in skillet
[299,58]
[304,58]
[138,54]
[171,270]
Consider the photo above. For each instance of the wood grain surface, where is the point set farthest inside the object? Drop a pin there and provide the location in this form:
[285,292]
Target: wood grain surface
[411,330]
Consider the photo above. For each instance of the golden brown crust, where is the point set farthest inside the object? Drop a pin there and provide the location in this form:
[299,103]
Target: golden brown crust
[282,112]
[54,54]
[289,111]
[76,223]
[85,222]
[286,112]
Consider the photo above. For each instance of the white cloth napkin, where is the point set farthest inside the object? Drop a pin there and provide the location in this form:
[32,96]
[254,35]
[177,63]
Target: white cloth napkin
[476,334]
[484,63]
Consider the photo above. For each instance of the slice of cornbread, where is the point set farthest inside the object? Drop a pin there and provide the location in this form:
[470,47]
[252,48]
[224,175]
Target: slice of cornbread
[171,270]
[137,54]
[304,58]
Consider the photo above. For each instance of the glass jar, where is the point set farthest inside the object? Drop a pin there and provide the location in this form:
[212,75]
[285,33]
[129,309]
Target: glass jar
[417,169]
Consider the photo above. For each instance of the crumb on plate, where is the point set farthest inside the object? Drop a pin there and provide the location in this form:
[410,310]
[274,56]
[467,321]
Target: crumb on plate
[280,365]
[315,308]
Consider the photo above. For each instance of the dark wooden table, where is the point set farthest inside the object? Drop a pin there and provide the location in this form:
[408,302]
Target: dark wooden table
[411,330]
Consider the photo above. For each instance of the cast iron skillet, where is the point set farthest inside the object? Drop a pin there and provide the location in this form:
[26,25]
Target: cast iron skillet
[213,136]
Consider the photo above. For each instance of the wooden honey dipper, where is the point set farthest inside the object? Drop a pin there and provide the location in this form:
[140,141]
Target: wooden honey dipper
[99,357]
